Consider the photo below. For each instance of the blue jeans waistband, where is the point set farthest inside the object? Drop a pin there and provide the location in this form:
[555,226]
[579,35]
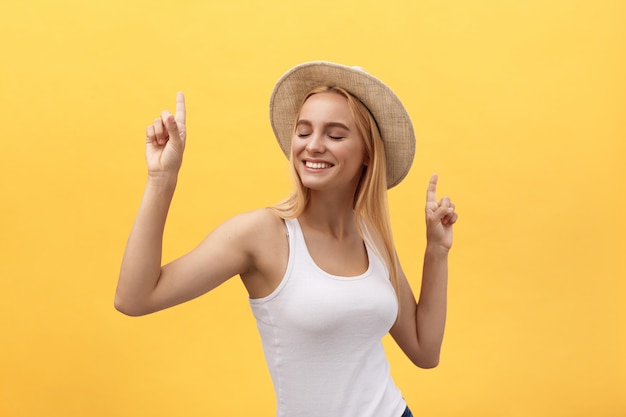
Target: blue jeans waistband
[407,413]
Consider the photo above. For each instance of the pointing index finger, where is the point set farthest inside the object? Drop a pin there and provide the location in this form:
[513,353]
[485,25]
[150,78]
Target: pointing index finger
[181,112]
[431,194]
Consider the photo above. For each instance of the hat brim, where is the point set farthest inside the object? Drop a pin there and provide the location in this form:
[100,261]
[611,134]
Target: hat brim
[391,117]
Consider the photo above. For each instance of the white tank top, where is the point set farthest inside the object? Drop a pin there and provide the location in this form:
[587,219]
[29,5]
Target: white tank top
[321,336]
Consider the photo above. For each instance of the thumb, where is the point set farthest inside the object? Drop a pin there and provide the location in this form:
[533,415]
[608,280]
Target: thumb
[175,137]
[440,213]
[444,208]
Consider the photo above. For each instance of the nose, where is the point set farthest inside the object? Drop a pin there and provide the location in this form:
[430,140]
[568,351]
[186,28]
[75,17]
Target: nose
[315,144]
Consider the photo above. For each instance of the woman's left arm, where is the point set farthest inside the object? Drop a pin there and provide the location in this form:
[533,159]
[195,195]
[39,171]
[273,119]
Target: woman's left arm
[420,326]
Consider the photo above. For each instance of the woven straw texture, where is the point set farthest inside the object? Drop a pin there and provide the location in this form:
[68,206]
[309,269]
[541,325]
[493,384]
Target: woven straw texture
[392,118]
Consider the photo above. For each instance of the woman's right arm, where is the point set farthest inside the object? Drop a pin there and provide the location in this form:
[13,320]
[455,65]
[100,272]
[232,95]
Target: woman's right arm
[144,286]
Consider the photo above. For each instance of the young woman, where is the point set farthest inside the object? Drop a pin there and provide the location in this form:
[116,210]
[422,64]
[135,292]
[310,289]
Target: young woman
[320,268]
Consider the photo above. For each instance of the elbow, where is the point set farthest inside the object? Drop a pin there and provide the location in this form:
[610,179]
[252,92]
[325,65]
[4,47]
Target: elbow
[426,361]
[127,307]
[427,364]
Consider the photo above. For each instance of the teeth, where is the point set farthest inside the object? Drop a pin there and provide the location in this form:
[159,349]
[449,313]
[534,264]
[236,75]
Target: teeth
[317,165]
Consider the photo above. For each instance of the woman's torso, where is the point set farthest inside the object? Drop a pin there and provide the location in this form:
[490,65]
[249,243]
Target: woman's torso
[322,333]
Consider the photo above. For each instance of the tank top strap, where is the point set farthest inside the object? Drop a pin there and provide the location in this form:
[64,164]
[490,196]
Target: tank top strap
[297,245]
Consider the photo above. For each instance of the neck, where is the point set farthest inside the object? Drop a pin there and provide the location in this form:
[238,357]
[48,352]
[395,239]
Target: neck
[330,213]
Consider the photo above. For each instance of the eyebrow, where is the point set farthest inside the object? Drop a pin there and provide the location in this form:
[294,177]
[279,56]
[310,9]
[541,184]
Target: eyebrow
[329,124]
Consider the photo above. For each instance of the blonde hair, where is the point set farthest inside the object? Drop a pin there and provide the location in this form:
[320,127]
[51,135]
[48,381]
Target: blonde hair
[370,197]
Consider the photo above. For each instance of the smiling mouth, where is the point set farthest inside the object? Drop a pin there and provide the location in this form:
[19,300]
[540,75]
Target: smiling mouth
[317,165]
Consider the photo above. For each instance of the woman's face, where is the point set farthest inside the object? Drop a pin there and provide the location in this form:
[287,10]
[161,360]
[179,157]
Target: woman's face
[327,148]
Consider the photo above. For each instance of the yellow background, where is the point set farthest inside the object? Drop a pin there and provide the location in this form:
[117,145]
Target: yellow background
[519,106]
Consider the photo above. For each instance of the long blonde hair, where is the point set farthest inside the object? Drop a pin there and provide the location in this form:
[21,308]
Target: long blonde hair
[370,197]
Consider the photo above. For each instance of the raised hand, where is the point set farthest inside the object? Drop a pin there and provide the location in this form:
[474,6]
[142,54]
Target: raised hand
[440,216]
[165,140]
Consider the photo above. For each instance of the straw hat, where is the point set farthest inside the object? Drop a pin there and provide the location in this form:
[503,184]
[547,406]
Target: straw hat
[391,117]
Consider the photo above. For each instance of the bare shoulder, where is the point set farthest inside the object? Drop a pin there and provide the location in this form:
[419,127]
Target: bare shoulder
[259,233]
[268,248]
[262,221]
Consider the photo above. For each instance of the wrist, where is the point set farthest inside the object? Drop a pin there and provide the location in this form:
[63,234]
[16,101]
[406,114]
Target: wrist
[437,250]
[162,180]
